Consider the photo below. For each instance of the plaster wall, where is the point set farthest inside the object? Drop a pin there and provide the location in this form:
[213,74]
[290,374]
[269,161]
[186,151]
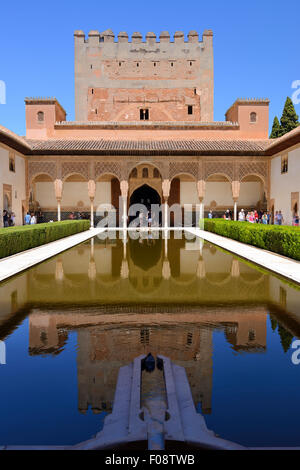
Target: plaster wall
[14,179]
[283,185]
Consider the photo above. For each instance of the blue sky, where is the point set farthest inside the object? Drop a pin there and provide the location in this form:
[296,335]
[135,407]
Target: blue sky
[256,46]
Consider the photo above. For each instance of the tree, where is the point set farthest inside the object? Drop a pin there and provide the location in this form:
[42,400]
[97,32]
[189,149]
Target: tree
[289,118]
[276,129]
[286,338]
[274,323]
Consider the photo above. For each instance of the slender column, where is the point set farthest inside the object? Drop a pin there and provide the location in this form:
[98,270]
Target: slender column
[58,210]
[58,188]
[236,186]
[235,209]
[92,193]
[201,194]
[166,187]
[124,192]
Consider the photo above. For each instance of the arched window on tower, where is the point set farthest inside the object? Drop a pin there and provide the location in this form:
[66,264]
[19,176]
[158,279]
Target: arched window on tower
[145,173]
[40,116]
[253,117]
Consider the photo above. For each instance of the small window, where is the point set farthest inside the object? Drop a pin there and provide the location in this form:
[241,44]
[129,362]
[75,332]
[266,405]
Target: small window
[12,163]
[190,109]
[253,117]
[40,116]
[284,164]
[144,114]
[195,91]
[137,64]
[134,173]
[120,64]
[91,66]
[252,335]
[92,91]
[172,64]
[191,64]
[156,173]
[145,173]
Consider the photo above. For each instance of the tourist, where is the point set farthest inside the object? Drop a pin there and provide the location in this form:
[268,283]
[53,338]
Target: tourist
[276,218]
[242,216]
[210,215]
[32,219]
[296,220]
[264,219]
[252,217]
[40,217]
[5,219]
[280,218]
[12,219]
[27,219]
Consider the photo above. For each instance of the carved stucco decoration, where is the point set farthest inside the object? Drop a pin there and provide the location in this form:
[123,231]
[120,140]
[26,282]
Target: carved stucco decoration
[161,166]
[253,168]
[38,168]
[69,168]
[113,168]
[177,168]
[219,168]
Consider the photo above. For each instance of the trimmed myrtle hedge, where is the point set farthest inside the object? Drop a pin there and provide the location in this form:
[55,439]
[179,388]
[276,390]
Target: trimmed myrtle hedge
[283,240]
[16,239]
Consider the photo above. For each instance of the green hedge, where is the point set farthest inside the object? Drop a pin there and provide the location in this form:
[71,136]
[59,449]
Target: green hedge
[283,240]
[16,239]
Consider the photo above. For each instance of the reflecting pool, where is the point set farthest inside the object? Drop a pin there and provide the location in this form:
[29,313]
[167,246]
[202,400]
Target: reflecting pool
[70,323]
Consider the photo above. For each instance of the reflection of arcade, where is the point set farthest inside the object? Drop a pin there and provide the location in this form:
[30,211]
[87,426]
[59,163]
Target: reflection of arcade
[177,271]
[108,342]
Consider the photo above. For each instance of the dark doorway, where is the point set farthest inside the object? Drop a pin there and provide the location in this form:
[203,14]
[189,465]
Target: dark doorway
[146,196]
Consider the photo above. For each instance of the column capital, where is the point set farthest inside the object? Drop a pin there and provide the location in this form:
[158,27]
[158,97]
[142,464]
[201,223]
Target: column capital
[92,189]
[166,187]
[58,187]
[124,188]
[201,189]
[235,186]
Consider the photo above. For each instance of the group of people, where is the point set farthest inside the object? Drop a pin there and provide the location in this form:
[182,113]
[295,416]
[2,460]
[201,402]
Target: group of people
[79,216]
[8,219]
[258,217]
[30,219]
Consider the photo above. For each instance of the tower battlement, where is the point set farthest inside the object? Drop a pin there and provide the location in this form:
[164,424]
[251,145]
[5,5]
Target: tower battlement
[108,37]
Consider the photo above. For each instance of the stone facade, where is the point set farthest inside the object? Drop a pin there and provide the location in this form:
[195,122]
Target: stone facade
[116,80]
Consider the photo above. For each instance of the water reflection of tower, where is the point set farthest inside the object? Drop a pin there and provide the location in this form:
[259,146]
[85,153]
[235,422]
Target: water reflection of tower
[102,352]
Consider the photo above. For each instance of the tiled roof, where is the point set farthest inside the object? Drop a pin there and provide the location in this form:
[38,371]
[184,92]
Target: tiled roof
[146,125]
[13,140]
[187,147]
[281,143]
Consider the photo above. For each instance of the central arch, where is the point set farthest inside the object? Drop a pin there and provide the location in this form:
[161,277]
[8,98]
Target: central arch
[145,195]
